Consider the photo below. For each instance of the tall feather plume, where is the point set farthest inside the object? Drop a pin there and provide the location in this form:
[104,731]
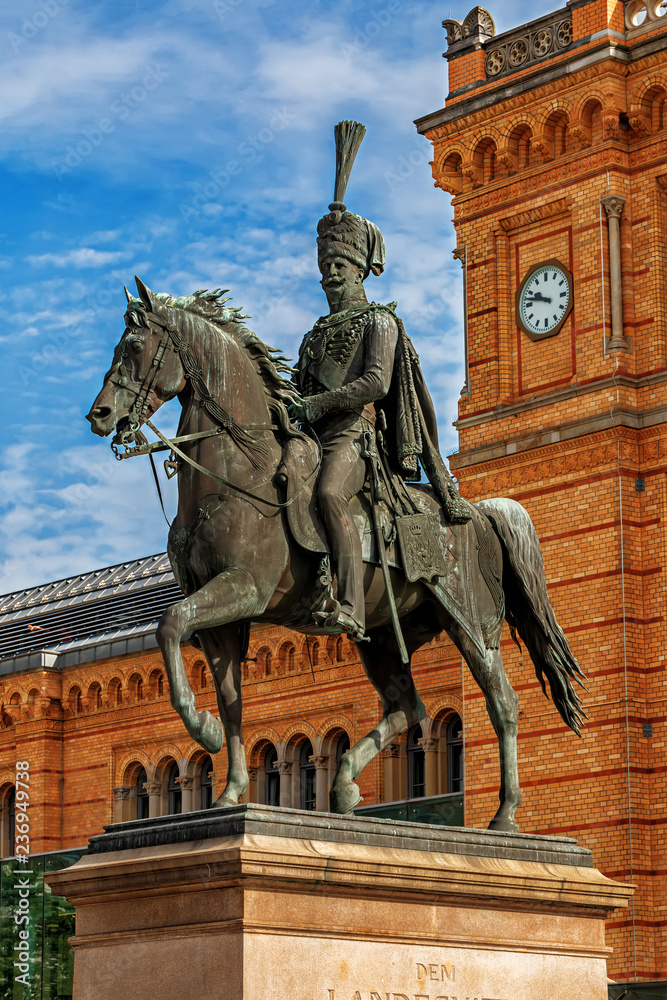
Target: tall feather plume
[349,136]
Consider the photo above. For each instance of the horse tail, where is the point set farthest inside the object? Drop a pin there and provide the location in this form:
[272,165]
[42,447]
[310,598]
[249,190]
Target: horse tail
[529,610]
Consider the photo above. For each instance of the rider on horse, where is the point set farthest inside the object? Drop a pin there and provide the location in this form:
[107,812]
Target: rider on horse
[354,362]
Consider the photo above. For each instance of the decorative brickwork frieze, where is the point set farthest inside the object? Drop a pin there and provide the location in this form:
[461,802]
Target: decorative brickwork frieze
[518,49]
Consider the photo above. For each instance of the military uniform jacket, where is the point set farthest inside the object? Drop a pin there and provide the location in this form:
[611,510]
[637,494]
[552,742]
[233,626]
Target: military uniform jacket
[347,360]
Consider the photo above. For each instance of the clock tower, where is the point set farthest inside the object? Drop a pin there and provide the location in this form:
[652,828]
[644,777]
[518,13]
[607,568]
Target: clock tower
[553,145]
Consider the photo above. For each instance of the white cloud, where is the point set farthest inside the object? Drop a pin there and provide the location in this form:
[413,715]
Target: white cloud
[102,512]
[222,85]
[83,257]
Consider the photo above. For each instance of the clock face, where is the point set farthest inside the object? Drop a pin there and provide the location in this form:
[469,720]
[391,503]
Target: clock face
[544,299]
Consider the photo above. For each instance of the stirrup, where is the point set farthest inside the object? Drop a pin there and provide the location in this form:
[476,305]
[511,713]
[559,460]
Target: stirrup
[352,628]
[339,622]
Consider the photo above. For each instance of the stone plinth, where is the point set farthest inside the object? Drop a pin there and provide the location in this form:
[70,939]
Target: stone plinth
[278,904]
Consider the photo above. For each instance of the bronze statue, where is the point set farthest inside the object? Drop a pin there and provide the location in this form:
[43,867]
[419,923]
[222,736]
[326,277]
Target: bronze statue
[248,544]
[347,364]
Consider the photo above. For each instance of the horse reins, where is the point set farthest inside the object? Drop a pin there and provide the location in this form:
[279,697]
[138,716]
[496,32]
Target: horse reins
[139,408]
[225,482]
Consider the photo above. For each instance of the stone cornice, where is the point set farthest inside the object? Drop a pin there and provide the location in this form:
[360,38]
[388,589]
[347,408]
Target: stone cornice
[627,423]
[534,215]
[551,450]
[482,110]
[550,399]
[573,168]
[541,86]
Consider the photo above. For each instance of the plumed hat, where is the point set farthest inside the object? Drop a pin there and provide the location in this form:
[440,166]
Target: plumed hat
[342,233]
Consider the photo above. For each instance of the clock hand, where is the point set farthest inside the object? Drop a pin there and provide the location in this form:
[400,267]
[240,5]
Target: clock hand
[538,297]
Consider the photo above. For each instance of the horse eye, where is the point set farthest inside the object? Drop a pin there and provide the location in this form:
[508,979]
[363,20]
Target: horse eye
[137,345]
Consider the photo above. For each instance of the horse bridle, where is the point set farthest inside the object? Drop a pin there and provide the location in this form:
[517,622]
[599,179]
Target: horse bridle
[138,412]
[138,415]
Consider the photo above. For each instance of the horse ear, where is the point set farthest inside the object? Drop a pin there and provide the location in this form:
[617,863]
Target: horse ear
[145,294]
[127,295]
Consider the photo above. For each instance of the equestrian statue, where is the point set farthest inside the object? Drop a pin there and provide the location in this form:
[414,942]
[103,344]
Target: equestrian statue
[300,503]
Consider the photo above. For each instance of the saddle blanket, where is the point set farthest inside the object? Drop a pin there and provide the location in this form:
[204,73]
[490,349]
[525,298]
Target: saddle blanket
[424,539]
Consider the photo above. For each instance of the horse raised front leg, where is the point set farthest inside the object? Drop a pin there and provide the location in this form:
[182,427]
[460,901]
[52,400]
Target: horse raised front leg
[230,597]
[501,704]
[401,708]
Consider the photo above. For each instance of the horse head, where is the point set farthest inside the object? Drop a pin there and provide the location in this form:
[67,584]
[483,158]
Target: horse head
[146,371]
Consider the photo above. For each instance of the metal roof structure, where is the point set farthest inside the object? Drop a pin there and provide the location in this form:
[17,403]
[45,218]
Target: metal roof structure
[95,609]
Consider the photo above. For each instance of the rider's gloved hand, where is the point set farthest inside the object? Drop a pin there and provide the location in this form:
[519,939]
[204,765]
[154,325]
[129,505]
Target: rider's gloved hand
[296,412]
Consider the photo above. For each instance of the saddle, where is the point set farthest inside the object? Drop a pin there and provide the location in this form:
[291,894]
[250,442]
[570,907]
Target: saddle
[421,544]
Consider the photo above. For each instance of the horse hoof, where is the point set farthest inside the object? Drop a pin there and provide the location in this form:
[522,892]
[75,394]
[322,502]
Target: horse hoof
[344,797]
[504,825]
[211,733]
[225,801]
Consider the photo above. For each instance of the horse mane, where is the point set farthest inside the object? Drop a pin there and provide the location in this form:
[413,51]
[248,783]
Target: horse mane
[269,362]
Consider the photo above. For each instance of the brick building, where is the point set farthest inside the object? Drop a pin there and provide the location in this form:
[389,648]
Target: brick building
[85,702]
[552,144]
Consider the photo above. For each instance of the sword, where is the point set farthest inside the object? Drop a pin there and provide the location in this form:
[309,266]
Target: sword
[378,496]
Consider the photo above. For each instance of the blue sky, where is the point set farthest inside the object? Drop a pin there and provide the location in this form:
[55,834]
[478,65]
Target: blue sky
[190,142]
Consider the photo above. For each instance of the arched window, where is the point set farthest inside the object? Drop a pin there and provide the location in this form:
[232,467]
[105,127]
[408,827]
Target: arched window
[157,684]
[271,778]
[142,795]
[136,686]
[115,693]
[452,174]
[595,119]
[206,782]
[315,654]
[307,771]
[520,145]
[658,111]
[174,790]
[556,132]
[95,696]
[342,747]
[455,755]
[340,649]
[199,674]
[264,661]
[416,764]
[485,160]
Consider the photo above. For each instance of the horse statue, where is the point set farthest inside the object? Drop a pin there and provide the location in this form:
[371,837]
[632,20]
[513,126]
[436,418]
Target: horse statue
[244,544]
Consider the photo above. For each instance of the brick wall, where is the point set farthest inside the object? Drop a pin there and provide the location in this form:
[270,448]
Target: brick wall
[568,427]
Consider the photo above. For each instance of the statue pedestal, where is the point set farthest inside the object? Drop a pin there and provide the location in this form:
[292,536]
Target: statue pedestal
[265,903]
